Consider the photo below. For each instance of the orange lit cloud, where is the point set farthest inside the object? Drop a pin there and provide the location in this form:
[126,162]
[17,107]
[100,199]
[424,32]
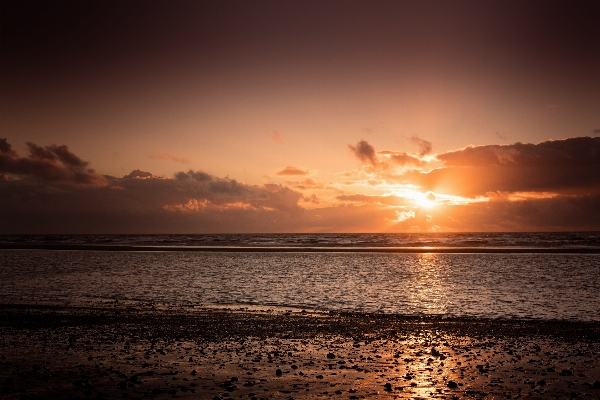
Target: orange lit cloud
[568,166]
[366,153]
[291,171]
[402,159]
[390,200]
[520,187]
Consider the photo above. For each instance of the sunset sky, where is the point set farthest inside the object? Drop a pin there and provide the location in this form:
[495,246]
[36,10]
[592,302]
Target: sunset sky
[299,116]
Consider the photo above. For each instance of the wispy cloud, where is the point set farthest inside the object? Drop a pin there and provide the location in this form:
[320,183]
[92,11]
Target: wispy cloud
[500,136]
[169,156]
[276,137]
[425,147]
[291,171]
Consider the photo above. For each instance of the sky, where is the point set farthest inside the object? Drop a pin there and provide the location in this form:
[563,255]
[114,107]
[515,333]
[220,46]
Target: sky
[299,116]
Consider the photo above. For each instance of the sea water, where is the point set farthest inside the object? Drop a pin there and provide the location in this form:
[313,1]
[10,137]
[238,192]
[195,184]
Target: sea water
[481,285]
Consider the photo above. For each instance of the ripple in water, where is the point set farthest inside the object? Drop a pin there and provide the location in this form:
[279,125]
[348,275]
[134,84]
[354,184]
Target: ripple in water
[539,286]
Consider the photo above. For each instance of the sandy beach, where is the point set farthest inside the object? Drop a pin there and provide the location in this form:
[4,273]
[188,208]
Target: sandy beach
[116,350]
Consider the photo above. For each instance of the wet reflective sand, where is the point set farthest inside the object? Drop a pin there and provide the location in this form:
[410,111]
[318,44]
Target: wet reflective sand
[145,351]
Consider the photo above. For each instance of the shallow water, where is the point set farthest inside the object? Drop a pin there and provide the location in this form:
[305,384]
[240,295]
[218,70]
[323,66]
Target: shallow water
[539,286]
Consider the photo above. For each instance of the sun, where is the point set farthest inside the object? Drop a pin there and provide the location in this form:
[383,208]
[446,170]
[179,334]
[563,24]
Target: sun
[426,200]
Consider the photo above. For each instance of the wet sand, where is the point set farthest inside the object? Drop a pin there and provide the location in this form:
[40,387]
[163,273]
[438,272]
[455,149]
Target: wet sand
[116,350]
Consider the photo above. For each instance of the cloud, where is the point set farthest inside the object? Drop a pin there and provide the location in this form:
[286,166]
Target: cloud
[169,156]
[568,166]
[276,137]
[381,160]
[312,199]
[402,159]
[192,201]
[405,215]
[546,186]
[596,132]
[195,175]
[389,200]
[305,184]
[573,213]
[49,163]
[290,171]
[364,152]
[425,147]
[501,136]
[138,174]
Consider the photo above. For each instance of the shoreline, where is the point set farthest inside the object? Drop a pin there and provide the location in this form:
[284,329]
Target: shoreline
[308,249]
[141,352]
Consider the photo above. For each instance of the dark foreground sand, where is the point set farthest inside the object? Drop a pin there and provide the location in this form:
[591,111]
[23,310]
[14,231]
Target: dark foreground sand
[146,351]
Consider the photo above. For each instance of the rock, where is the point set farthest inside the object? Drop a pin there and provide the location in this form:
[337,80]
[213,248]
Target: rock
[330,355]
[452,384]
[278,372]
[388,387]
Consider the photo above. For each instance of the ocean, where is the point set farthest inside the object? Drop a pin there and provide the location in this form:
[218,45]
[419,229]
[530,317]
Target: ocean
[545,276]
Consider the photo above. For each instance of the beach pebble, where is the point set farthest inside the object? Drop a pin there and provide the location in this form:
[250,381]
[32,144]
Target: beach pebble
[452,385]
[278,372]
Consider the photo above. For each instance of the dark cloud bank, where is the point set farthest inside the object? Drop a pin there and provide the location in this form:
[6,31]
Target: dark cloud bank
[568,167]
[51,190]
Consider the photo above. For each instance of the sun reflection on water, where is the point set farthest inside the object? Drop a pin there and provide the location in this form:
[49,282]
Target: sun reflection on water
[429,290]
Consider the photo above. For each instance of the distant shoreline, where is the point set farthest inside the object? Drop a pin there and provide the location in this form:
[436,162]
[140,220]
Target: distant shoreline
[308,249]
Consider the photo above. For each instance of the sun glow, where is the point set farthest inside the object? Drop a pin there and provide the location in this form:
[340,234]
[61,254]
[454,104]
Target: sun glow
[426,200]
